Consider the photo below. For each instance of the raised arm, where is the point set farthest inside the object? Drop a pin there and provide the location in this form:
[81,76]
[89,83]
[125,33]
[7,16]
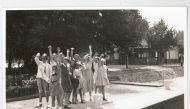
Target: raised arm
[58,50]
[50,53]
[59,54]
[37,60]
[90,52]
[72,51]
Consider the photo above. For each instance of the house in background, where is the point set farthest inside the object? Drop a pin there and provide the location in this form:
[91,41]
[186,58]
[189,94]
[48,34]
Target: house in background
[172,56]
[143,55]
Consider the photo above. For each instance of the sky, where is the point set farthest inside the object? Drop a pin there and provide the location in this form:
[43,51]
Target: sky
[175,17]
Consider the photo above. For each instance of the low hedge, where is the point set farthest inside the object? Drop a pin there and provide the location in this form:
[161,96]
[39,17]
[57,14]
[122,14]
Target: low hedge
[20,85]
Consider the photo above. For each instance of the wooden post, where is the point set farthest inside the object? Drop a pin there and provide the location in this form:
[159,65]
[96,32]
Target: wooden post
[127,58]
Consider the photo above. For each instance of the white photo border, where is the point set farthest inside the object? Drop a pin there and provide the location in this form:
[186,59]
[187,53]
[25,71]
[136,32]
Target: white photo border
[3,42]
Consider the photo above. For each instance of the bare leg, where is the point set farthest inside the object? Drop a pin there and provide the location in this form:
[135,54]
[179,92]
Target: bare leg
[90,93]
[58,101]
[74,96]
[76,93]
[81,95]
[103,93]
[40,97]
[96,88]
[61,99]
[47,97]
[53,101]
[70,95]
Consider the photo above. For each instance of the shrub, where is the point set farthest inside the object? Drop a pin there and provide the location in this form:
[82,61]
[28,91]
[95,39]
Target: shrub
[20,85]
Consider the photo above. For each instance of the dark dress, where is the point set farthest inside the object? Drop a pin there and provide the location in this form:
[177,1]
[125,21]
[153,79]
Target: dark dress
[65,79]
[74,81]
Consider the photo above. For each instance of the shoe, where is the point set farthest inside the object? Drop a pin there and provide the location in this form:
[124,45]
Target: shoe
[67,107]
[48,106]
[83,102]
[104,99]
[74,102]
[69,102]
[38,106]
[58,107]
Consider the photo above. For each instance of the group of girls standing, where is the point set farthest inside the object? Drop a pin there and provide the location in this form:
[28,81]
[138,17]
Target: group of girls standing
[70,75]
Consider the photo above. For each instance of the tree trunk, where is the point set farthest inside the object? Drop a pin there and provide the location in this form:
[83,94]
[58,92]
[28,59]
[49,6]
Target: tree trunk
[127,60]
[26,63]
[9,63]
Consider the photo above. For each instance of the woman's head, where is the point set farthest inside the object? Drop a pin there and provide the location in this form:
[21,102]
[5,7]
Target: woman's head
[44,57]
[96,59]
[54,68]
[102,62]
[55,57]
[78,65]
[86,58]
[65,60]
[77,57]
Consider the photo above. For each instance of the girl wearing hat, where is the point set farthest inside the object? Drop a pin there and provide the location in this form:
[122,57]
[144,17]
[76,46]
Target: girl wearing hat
[65,80]
[55,85]
[100,76]
[95,63]
[78,74]
[74,81]
[43,78]
[88,74]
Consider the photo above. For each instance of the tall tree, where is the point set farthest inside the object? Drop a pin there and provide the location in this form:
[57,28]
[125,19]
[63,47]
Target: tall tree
[123,28]
[161,38]
[29,32]
[180,41]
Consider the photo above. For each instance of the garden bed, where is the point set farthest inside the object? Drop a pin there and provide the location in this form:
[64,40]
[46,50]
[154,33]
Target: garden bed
[20,86]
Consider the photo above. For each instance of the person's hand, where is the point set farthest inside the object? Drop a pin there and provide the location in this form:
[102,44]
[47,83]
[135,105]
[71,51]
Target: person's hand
[90,47]
[38,54]
[72,48]
[50,47]
[48,81]
[96,54]
[58,49]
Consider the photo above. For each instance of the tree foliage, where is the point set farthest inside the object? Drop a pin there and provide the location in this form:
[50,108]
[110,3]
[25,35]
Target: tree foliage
[29,32]
[161,38]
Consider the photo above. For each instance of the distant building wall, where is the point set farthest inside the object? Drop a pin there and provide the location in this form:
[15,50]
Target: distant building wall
[172,55]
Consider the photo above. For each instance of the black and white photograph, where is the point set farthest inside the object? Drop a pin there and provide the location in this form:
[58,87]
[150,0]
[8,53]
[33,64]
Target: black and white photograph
[96,58]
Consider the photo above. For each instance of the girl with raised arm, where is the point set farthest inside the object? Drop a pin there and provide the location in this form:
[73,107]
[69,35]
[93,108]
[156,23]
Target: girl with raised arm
[43,78]
[100,76]
[65,80]
[78,74]
[88,74]
[55,86]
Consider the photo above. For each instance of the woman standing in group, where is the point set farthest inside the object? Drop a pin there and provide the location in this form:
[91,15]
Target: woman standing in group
[55,85]
[43,78]
[100,76]
[88,74]
[78,74]
[65,80]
